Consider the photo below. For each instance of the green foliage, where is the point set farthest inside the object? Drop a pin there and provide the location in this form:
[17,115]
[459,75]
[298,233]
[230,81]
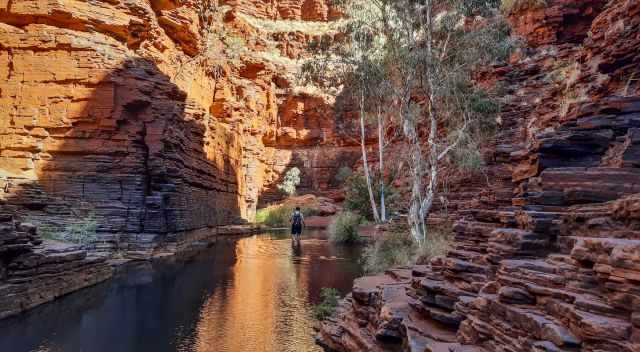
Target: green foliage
[290,182]
[274,216]
[395,249]
[328,304]
[344,228]
[342,175]
[393,51]
[82,231]
[278,216]
[357,195]
[481,103]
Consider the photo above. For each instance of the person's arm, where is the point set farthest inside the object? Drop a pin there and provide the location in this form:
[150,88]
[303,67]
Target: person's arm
[302,219]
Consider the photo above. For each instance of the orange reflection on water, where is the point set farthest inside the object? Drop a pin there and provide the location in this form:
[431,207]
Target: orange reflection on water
[264,307]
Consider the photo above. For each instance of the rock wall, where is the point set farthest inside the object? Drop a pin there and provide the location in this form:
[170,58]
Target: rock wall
[150,122]
[158,118]
[556,268]
[32,272]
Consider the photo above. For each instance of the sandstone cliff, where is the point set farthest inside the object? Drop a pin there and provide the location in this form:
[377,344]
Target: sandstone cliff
[546,259]
[155,120]
[158,117]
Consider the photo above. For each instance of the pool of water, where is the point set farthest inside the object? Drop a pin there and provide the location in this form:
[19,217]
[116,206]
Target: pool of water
[250,294]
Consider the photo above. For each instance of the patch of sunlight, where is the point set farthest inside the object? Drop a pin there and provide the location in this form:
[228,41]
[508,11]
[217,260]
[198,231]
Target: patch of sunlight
[278,26]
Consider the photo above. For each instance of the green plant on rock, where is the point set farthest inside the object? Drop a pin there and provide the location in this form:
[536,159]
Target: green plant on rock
[396,249]
[344,228]
[290,182]
[328,304]
[82,231]
[387,251]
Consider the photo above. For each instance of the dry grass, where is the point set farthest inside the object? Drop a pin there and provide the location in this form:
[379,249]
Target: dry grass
[396,249]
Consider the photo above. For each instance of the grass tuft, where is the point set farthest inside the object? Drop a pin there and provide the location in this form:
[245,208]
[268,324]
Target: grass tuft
[344,228]
[328,305]
[397,249]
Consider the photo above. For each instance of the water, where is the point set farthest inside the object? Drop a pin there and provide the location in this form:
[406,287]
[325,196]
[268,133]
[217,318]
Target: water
[251,294]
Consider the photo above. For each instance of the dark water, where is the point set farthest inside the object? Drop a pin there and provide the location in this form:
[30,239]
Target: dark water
[252,294]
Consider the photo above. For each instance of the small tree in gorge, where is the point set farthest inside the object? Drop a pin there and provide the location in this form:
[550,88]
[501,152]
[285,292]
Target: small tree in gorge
[356,63]
[290,182]
[414,60]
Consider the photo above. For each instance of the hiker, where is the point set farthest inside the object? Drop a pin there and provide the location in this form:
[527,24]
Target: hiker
[297,222]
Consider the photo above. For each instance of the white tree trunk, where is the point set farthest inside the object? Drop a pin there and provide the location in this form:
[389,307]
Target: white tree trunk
[367,174]
[416,168]
[383,206]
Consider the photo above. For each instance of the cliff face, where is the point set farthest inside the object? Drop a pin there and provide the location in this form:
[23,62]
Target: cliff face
[157,117]
[547,259]
[151,121]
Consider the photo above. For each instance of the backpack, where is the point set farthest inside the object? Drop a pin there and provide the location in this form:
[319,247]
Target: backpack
[297,219]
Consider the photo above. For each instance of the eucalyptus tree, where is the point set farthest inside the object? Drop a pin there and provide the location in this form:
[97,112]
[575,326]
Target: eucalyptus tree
[442,43]
[414,59]
[354,66]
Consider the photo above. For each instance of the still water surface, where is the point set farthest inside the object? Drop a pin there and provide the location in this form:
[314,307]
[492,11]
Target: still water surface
[251,294]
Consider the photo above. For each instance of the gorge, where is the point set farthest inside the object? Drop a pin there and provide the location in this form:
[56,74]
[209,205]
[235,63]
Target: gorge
[162,123]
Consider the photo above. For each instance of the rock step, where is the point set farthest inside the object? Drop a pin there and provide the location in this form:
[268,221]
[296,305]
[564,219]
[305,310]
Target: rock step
[442,316]
[535,324]
[471,256]
[426,335]
[504,216]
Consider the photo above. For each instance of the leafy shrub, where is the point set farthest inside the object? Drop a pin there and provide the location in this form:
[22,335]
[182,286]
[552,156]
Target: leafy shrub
[290,182]
[327,306]
[344,228]
[277,216]
[357,195]
[395,249]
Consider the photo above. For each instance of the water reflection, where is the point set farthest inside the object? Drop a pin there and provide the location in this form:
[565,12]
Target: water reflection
[254,294]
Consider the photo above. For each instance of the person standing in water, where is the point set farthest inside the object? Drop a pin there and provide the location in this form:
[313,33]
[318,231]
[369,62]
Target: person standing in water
[297,222]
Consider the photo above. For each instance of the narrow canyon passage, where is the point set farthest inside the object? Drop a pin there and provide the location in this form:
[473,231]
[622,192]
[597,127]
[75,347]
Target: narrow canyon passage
[249,294]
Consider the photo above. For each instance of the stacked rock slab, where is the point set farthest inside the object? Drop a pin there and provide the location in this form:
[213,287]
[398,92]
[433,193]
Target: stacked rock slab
[158,119]
[557,269]
[33,272]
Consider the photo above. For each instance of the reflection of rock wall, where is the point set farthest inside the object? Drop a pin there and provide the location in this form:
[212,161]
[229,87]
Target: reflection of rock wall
[156,117]
[555,268]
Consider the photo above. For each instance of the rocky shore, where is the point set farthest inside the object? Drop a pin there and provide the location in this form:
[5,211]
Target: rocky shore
[547,258]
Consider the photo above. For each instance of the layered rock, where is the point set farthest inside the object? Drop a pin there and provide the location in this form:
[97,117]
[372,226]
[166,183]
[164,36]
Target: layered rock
[158,118]
[33,272]
[556,269]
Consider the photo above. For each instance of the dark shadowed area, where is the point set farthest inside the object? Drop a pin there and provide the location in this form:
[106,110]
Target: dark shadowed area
[251,294]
